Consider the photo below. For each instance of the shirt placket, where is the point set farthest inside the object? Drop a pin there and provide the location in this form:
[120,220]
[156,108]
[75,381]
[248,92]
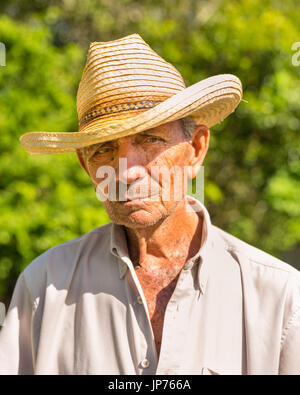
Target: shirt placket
[175,324]
[148,355]
[176,320]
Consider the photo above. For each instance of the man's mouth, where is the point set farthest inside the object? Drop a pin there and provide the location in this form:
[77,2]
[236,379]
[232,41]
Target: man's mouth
[136,199]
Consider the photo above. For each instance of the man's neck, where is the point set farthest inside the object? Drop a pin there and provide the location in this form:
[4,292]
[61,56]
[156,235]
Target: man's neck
[176,239]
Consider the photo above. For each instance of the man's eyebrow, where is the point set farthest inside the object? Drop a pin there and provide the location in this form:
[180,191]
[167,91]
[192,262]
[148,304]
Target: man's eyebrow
[97,145]
[159,131]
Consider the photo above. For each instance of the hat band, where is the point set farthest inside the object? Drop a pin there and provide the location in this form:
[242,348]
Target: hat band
[98,112]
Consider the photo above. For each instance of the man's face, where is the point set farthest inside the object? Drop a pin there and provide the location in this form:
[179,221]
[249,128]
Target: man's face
[149,168]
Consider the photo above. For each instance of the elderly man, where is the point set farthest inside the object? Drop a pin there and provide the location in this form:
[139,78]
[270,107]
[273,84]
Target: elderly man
[159,290]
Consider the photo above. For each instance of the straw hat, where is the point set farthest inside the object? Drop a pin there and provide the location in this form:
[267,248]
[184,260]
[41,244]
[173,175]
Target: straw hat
[126,88]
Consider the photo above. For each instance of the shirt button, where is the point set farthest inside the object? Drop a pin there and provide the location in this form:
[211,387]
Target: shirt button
[139,299]
[145,363]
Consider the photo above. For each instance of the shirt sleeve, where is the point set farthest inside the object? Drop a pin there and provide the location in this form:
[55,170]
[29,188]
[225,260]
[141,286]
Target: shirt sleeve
[16,350]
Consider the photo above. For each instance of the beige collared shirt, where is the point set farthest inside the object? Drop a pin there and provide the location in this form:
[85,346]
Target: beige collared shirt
[79,309]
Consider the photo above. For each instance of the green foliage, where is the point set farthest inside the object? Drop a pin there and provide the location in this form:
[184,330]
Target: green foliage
[252,169]
[44,200]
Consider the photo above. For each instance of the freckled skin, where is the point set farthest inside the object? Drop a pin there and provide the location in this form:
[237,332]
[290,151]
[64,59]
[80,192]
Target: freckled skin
[161,234]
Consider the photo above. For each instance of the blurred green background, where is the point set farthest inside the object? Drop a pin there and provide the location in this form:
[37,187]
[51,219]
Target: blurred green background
[252,170]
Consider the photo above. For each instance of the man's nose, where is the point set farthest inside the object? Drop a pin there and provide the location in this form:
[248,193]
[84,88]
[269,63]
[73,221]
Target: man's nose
[131,163]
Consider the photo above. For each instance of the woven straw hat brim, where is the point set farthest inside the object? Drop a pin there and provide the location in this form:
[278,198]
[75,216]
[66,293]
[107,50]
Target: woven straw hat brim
[208,101]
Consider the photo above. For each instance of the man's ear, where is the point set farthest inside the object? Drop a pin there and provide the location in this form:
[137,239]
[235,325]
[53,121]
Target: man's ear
[200,143]
[82,161]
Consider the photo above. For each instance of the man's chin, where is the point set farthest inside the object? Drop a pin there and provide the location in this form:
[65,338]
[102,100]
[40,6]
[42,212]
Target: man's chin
[138,219]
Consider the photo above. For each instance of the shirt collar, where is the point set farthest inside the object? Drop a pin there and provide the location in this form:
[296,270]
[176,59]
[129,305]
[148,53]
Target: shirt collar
[118,246]
[205,249]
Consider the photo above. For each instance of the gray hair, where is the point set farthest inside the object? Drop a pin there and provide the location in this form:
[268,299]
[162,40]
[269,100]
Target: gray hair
[188,127]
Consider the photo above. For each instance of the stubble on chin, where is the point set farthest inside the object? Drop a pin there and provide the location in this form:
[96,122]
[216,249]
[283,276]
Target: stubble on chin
[141,217]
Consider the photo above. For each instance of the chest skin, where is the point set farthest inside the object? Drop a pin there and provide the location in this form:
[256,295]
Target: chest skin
[158,288]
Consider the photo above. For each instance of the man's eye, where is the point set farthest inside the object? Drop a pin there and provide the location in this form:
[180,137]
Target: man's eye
[153,139]
[102,150]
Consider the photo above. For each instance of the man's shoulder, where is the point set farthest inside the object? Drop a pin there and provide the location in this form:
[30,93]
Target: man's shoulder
[62,258]
[263,273]
[253,255]
[271,287]
[71,246]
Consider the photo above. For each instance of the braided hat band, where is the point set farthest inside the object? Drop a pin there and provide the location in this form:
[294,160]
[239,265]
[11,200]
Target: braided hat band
[126,88]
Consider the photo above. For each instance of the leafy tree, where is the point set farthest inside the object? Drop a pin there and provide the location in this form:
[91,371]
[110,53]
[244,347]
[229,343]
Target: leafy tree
[44,200]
